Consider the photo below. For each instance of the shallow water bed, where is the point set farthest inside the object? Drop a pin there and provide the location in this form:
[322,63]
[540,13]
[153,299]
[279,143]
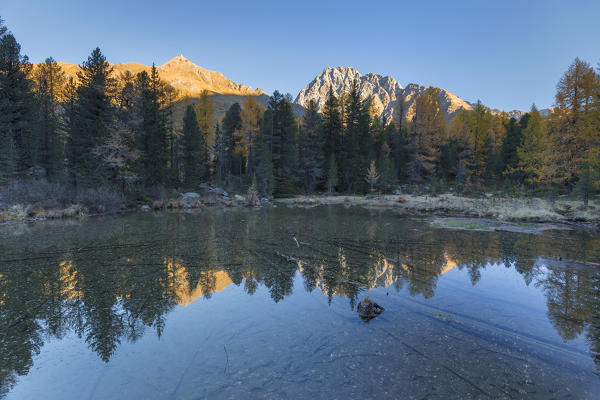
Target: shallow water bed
[262,304]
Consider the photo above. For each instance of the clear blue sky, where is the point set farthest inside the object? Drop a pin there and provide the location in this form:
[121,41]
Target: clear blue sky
[509,54]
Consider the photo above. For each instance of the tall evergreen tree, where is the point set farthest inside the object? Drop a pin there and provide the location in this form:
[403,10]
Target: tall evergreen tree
[332,124]
[90,121]
[264,164]
[232,122]
[50,83]
[352,160]
[284,144]
[152,136]
[388,178]
[332,174]
[16,98]
[8,157]
[205,114]
[311,148]
[193,142]
[219,151]
[512,141]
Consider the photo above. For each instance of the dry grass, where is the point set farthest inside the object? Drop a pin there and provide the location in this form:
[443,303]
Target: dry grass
[502,208]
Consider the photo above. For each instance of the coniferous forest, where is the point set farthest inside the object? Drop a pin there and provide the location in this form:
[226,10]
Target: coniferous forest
[134,136]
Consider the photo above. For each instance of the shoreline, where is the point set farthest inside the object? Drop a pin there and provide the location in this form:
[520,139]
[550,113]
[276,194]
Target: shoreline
[502,209]
[509,210]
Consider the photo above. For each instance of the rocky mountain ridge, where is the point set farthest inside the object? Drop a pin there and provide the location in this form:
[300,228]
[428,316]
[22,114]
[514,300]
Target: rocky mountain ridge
[185,76]
[384,90]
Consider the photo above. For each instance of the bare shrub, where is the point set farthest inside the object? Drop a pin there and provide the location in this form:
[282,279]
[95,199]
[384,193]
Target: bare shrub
[36,191]
[48,195]
[100,200]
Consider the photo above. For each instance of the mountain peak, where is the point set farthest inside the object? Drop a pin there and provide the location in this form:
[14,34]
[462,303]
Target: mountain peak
[180,59]
[384,91]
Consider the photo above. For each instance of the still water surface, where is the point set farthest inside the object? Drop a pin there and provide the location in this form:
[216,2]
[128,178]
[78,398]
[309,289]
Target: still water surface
[262,304]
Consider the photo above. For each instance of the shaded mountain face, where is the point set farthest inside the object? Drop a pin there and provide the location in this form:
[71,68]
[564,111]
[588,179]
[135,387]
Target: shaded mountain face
[185,76]
[384,90]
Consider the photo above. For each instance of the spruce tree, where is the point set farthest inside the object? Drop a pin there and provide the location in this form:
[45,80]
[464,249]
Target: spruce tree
[16,99]
[332,125]
[512,141]
[353,161]
[8,157]
[284,144]
[388,178]
[232,122]
[50,83]
[193,142]
[311,148]
[152,130]
[332,174]
[90,120]
[219,154]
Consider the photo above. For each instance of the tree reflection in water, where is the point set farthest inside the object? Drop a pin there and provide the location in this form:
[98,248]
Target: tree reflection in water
[110,279]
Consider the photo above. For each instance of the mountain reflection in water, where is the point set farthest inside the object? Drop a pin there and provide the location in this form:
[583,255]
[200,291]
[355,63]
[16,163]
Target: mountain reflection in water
[109,280]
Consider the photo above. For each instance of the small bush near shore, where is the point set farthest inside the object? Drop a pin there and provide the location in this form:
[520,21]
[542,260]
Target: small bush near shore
[40,198]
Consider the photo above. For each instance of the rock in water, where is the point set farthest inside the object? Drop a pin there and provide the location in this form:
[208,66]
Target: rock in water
[367,309]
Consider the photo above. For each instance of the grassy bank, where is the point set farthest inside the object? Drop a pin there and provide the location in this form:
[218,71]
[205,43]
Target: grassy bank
[562,209]
[38,200]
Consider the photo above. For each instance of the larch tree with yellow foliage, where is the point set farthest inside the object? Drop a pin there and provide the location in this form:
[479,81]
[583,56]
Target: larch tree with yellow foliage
[572,140]
[531,150]
[252,113]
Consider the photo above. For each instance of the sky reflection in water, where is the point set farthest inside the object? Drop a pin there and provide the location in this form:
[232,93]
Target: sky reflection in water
[228,305]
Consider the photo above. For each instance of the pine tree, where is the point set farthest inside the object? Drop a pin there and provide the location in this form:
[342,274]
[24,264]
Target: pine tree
[512,141]
[311,147]
[232,122]
[264,160]
[193,142]
[219,154]
[332,174]
[152,136]
[90,120]
[352,159]
[388,179]
[284,144]
[332,125]
[50,83]
[495,145]
[16,99]
[8,157]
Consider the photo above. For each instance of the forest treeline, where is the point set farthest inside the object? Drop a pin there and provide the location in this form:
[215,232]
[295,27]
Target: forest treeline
[135,135]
